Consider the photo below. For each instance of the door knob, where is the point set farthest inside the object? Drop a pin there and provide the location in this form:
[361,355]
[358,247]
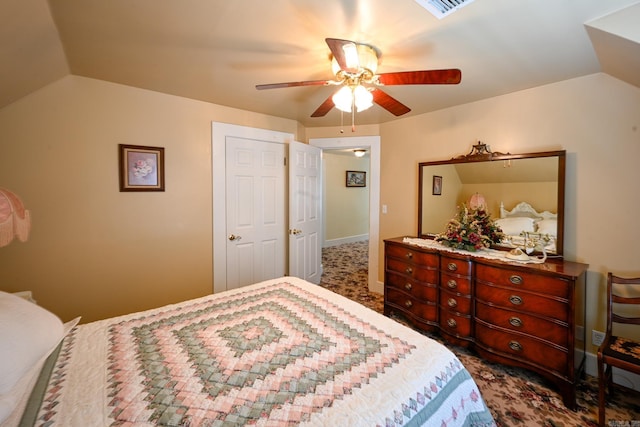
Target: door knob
[233,237]
[295,231]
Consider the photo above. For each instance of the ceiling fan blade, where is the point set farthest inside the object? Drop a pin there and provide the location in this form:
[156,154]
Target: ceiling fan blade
[389,103]
[324,108]
[424,77]
[292,84]
[337,49]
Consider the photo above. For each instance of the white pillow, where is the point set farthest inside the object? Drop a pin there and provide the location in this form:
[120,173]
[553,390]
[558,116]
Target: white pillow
[548,226]
[513,226]
[28,334]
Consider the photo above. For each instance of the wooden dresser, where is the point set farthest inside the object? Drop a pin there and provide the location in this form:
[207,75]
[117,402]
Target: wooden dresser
[517,314]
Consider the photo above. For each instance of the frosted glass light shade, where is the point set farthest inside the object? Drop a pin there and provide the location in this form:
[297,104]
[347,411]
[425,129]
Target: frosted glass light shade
[342,99]
[364,98]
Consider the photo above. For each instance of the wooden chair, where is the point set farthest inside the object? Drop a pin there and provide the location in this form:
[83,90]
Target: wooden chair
[623,353]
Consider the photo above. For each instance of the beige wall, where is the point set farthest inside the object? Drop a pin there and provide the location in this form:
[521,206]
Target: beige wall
[346,209]
[595,118]
[97,252]
[94,251]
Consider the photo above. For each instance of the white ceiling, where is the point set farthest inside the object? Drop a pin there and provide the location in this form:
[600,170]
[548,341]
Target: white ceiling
[217,51]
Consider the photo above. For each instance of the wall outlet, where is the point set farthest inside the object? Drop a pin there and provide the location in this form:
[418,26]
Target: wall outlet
[597,337]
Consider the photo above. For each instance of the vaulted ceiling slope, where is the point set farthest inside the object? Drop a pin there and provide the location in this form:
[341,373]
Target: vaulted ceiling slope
[217,51]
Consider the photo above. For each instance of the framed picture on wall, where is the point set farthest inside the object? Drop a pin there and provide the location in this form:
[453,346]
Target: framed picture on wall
[356,179]
[141,168]
[437,185]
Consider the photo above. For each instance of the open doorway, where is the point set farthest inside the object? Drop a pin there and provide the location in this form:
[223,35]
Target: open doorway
[372,145]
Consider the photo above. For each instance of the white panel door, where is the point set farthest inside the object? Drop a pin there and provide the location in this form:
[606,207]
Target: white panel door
[255,211]
[305,210]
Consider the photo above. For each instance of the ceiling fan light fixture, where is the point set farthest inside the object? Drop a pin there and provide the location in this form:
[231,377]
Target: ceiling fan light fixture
[346,97]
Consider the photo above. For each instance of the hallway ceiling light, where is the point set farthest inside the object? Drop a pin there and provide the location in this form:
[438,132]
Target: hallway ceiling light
[359,153]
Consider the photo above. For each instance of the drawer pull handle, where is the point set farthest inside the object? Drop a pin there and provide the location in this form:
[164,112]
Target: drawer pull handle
[515,346]
[452,284]
[409,270]
[409,255]
[452,302]
[515,321]
[452,266]
[452,323]
[408,286]
[516,280]
[408,304]
[515,300]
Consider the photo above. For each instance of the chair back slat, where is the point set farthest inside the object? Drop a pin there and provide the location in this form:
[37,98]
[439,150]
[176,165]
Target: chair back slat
[628,320]
[623,300]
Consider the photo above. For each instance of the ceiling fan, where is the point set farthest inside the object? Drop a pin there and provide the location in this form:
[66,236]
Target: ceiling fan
[354,66]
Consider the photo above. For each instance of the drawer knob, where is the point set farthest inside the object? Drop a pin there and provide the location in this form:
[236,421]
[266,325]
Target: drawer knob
[452,323]
[408,286]
[409,270]
[452,284]
[452,302]
[516,280]
[409,255]
[515,346]
[515,300]
[408,304]
[515,321]
[452,266]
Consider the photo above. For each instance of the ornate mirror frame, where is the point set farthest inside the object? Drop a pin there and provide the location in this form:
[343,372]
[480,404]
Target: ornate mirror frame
[431,175]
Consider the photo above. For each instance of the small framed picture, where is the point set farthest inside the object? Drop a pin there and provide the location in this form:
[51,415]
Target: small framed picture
[141,168]
[437,185]
[356,179]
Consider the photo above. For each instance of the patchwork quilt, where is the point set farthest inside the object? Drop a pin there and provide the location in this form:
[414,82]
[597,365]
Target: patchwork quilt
[283,352]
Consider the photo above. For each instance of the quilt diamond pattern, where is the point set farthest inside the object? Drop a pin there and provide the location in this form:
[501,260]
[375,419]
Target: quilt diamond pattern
[265,355]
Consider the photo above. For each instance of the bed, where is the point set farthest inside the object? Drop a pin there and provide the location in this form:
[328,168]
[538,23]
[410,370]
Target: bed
[281,352]
[523,219]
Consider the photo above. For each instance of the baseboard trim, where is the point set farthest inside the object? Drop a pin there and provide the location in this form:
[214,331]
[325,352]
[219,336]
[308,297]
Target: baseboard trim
[620,377]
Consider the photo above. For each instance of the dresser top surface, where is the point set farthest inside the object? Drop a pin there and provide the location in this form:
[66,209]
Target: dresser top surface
[551,266]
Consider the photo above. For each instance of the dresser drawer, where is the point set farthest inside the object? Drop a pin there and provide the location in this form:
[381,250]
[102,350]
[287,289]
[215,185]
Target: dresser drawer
[408,254]
[419,290]
[522,347]
[522,280]
[413,271]
[523,301]
[455,265]
[455,284]
[554,332]
[455,302]
[421,309]
[455,324]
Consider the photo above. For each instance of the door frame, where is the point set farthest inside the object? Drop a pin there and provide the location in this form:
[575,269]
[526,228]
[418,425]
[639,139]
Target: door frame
[373,144]
[219,133]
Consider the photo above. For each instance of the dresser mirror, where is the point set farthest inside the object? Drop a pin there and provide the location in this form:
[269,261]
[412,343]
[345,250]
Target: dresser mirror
[523,192]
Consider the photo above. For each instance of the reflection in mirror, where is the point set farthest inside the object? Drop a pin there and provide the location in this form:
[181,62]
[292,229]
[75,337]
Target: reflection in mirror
[524,193]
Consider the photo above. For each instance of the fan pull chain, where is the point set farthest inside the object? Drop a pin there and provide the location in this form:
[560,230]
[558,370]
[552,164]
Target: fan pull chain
[353,110]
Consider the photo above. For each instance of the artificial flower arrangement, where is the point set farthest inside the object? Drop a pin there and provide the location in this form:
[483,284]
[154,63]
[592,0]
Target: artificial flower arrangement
[470,229]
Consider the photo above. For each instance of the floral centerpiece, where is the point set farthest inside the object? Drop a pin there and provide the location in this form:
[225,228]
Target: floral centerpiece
[470,229]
